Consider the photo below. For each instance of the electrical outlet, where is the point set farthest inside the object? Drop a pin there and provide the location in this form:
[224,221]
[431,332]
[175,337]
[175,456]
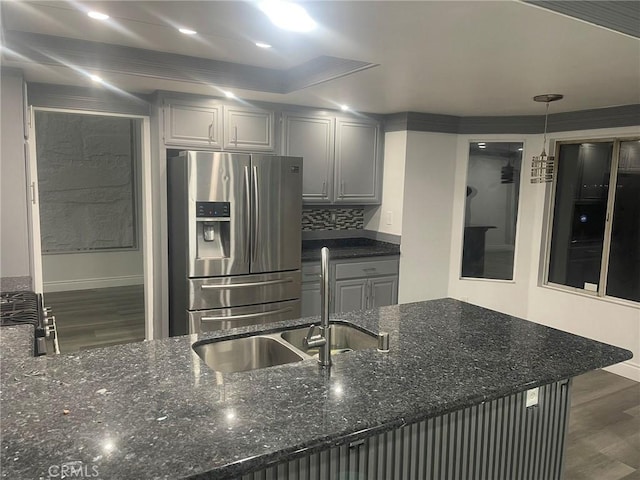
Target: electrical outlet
[532,397]
[389,217]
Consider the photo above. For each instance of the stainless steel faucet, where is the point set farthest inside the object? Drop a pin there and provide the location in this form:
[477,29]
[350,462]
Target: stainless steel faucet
[323,339]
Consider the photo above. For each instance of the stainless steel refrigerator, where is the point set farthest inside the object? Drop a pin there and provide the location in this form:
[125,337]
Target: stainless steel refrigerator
[234,240]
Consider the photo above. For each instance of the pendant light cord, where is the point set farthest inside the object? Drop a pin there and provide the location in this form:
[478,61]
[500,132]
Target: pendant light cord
[544,137]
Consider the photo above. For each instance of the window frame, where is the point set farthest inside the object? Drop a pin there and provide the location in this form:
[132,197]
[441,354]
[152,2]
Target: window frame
[601,293]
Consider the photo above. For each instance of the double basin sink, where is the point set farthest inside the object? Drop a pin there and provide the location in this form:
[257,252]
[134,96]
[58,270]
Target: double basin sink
[277,348]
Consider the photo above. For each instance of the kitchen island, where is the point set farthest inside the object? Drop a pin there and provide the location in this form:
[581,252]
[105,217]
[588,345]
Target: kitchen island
[155,410]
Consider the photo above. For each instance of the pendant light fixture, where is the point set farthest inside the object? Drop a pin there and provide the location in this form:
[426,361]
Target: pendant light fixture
[543,166]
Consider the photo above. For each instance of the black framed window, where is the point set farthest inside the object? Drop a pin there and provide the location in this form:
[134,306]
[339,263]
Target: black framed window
[595,235]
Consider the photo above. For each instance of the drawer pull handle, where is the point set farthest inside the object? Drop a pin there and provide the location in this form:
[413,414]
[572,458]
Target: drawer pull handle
[370,269]
[246,315]
[244,285]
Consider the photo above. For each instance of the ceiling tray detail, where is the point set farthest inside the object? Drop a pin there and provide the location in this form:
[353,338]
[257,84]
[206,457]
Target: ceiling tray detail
[92,56]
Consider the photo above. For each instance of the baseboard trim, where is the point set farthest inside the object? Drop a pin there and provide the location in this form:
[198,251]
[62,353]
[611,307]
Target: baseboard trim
[628,369]
[91,283]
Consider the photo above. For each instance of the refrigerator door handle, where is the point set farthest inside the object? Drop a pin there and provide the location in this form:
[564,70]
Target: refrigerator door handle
[255,212]
[247,216]
[246,285]
[246,315]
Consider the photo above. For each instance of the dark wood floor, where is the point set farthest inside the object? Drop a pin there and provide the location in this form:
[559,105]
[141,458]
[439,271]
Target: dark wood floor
[604,428]
[99,317]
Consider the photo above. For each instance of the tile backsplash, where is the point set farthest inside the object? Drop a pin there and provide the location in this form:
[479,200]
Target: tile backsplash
[351,218]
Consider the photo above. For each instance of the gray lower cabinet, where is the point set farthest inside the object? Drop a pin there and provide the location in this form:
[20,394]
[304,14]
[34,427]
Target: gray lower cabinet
[383,291]
[310,299]
[193,123]
[363,293]
[350,295]
[357,284]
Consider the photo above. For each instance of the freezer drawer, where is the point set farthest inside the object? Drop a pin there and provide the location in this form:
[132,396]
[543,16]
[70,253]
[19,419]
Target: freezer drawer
[222,292]
[225,318]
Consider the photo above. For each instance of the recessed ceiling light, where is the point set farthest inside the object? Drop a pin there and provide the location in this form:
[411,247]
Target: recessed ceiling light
[187,31]
[98,15]
[229,95]
[287,15]
[344,107]
[262,45]
[96,78]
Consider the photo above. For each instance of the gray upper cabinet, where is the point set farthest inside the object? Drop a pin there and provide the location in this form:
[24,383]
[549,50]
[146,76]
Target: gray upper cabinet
[249,129]
[341,155]
[357,159]
[312,138]
[193,123]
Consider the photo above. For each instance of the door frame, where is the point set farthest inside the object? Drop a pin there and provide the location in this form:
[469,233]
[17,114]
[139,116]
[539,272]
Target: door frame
[146,206]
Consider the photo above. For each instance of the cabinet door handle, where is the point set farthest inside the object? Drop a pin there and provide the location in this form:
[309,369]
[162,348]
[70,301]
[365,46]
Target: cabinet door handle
[324,189]
[366,294]
[235,135]
[373,295]
[211,132]
[342,189]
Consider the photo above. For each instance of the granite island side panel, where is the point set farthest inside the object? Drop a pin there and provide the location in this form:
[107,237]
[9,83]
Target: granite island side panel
[155,410]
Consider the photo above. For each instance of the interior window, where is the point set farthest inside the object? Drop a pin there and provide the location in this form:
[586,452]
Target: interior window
[491,209]
[86,169]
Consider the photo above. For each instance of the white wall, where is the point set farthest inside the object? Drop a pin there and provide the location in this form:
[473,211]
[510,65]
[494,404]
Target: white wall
[426,219]
[81,271]
[14,230]
[608,321]
[387,217]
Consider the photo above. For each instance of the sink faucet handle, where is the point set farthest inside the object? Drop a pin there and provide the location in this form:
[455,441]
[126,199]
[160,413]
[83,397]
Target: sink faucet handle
[307,339]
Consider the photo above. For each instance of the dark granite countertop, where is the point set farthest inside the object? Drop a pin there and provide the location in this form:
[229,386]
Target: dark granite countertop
[16,342]
[154,410]
[342,248]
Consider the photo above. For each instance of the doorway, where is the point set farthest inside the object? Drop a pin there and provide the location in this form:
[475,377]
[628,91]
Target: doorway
[91,256]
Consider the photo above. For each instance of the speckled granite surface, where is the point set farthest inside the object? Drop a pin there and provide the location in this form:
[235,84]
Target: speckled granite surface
[154,410]
[15,284]
[16,341]
[348,248]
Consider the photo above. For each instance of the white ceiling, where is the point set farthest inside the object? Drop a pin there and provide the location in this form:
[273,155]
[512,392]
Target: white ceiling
[450,57]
